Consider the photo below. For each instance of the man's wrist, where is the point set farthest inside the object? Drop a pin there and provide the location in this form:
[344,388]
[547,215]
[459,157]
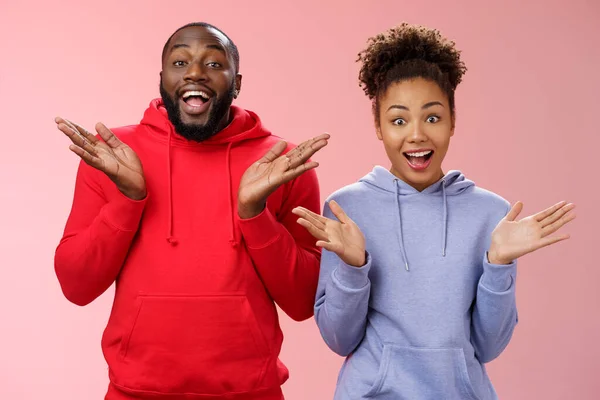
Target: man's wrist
[247,211]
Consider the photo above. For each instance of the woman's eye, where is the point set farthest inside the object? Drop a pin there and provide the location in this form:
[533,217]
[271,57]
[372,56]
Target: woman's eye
[399,121]
[433,119]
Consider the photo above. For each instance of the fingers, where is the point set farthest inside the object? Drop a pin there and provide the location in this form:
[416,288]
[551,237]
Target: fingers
[82,131]
[86,157]
[334,247]
[318,220]
[316,226]
[307,144]
[324,136]
[552,239]
[275,152]
[557,214]
[77,129]
[339,212]
[514,211]
[109,138]
[327,245]
[77,138]
[71,133]
[549,211]
[291,174]
[313,230]
[306,149]
[300,154]
[556,225]
[336,209]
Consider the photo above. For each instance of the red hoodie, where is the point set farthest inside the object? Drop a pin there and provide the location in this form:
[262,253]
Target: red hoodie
[194,314]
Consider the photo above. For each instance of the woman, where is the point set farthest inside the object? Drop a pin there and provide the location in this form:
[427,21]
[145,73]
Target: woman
[417,282]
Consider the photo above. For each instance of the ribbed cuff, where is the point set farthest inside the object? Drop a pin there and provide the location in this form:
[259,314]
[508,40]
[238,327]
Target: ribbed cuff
[498,278]
[124,213]
[353,277]
[260,231]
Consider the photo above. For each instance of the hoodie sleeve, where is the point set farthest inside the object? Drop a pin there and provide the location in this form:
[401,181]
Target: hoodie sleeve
[495,310]
[342,300]
[97,237]
[283,252]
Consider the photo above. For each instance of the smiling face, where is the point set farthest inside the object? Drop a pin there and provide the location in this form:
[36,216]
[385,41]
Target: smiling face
[199,81]
[415,123]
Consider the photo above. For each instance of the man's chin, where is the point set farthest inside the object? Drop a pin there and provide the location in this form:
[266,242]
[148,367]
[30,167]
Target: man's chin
[193,123]
[195,120]
[195,110]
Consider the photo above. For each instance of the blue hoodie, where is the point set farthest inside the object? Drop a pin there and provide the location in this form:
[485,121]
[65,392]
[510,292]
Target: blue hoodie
[421,318]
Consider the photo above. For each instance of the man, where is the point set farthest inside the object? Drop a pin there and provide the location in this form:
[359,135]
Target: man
[198,263]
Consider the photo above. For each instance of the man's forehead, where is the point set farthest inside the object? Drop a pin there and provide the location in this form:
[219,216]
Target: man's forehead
[200,34]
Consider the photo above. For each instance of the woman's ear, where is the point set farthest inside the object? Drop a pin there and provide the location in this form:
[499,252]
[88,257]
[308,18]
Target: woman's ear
[375,111]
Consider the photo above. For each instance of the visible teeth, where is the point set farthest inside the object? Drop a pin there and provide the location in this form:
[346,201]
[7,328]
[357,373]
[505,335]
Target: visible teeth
[419,154]
[195,93]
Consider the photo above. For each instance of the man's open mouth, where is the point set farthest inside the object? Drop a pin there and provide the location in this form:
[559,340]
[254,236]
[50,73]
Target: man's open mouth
[195,102]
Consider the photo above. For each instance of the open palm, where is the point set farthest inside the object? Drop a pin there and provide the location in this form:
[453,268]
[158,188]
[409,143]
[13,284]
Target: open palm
[343,237]
[512,239]
[268,173]
[109,155]
[274,169]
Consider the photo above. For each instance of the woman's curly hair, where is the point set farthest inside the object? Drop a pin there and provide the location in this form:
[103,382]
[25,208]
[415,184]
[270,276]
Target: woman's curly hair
[409,51]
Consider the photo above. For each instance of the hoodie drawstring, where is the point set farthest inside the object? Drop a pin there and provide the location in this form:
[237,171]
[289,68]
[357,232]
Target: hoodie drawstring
[232,237]
[244,125]
[170,237]
[445,228]
[402,249]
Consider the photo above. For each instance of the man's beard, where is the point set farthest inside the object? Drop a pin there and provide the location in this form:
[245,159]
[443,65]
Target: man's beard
[196,132]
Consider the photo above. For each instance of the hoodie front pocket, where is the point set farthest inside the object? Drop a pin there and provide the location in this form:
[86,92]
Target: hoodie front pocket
[206,344]
[422,373]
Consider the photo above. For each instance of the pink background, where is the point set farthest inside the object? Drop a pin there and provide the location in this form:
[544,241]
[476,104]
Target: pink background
[527,129]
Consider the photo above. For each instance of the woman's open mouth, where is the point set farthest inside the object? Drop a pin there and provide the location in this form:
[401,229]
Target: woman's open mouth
[418,159]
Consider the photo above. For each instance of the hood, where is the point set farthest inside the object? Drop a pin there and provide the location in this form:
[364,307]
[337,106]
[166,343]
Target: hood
[452,184]
[244,125]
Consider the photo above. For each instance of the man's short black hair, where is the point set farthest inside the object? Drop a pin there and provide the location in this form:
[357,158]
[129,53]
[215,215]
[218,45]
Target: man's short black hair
[230,45]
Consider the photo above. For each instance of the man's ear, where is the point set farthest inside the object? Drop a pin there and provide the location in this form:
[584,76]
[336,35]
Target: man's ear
[238,85]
